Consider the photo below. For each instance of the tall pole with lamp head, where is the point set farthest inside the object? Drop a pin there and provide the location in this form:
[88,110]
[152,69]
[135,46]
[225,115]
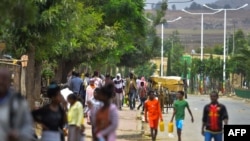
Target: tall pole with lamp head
[162,38]
[162,29]
[224,42]
[202,37]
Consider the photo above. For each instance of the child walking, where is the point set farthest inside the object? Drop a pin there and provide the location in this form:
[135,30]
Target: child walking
[143,96]
[153,114]
[179,112]
[106,118]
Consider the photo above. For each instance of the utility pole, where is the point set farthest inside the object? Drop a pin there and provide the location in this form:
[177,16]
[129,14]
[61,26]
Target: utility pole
[233,40]
[224,46]
[162,38]
[202,46]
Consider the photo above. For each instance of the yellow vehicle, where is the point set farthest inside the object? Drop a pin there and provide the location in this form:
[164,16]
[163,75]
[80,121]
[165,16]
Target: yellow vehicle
[172,83]
[166,88]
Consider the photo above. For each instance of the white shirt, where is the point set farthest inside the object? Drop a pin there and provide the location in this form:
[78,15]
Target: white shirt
[89,93]
[98,82]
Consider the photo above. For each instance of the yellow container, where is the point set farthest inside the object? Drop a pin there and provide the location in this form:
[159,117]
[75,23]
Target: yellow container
[162,127]
[170,127]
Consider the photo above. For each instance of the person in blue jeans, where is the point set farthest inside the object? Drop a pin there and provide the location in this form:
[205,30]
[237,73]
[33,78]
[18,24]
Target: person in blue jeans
[130,90]
[214,117]
[132,94]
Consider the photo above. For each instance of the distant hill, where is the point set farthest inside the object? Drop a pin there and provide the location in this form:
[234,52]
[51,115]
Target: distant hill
[189,26]
[232,3]
[219,4]
[149,4]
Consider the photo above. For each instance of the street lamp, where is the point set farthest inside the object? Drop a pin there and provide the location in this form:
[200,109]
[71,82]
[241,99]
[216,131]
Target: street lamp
[224,46]
[162,27]
[202,29]
[202,47]
[162,38]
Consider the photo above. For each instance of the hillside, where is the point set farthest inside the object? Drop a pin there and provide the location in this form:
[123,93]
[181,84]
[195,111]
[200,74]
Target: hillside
[232,3]
[189,26]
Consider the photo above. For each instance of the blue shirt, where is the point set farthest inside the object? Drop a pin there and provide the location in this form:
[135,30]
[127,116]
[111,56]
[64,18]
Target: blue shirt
[76,84]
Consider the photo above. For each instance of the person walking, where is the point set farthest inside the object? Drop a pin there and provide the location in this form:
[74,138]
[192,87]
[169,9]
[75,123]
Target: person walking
[97,80]
[75,118]
[94,105]
[145,82]
[52,116]
[76,85]
[214,117]
[153,114]
[106,119]
[118,82]
[16,121]
[89,95]
[90,91]
[161,97]
[179,112]
[138,83]
[130,90]
[142,95]
[107,80]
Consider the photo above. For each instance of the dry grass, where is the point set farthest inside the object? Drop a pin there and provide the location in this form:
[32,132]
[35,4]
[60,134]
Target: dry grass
[189,27]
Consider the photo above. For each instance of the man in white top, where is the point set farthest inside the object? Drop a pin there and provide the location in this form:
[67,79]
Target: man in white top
[97,79]
[90,91]
[119,84]
[138,84]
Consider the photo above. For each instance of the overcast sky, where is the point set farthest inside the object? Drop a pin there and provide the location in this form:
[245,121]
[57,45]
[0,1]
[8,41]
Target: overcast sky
[178,5]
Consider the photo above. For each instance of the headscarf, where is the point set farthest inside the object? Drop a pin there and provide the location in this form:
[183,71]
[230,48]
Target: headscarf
[118,74]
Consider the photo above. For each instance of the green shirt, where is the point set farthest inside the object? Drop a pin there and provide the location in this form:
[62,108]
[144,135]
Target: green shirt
[179,106]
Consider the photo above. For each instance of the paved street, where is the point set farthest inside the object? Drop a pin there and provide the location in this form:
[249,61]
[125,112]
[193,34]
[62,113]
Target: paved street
[131,128]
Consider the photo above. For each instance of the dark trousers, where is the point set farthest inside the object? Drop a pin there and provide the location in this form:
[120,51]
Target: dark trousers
[142,99]
[132,94]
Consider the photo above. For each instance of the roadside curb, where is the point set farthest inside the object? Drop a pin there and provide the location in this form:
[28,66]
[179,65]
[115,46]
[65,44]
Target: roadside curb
[233,96]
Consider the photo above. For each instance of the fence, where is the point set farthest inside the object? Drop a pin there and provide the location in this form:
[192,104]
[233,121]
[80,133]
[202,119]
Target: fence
[243,93]
[16,74]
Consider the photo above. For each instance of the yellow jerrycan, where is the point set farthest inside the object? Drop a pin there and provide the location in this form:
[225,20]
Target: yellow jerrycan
[162,127]
[170,127]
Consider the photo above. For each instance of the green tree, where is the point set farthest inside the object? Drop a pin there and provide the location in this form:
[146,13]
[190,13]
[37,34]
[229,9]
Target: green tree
[211,68]
[169,64]
[240,41]
[177,50]
[131,27]
[147,69]
[242,62]
[214,70]
[51,30]
[218,49]
[193,74]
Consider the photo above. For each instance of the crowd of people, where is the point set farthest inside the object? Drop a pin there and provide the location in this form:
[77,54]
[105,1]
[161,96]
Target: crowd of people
[98,99]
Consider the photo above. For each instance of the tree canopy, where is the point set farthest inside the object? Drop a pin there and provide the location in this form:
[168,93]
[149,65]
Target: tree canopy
[67,33]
